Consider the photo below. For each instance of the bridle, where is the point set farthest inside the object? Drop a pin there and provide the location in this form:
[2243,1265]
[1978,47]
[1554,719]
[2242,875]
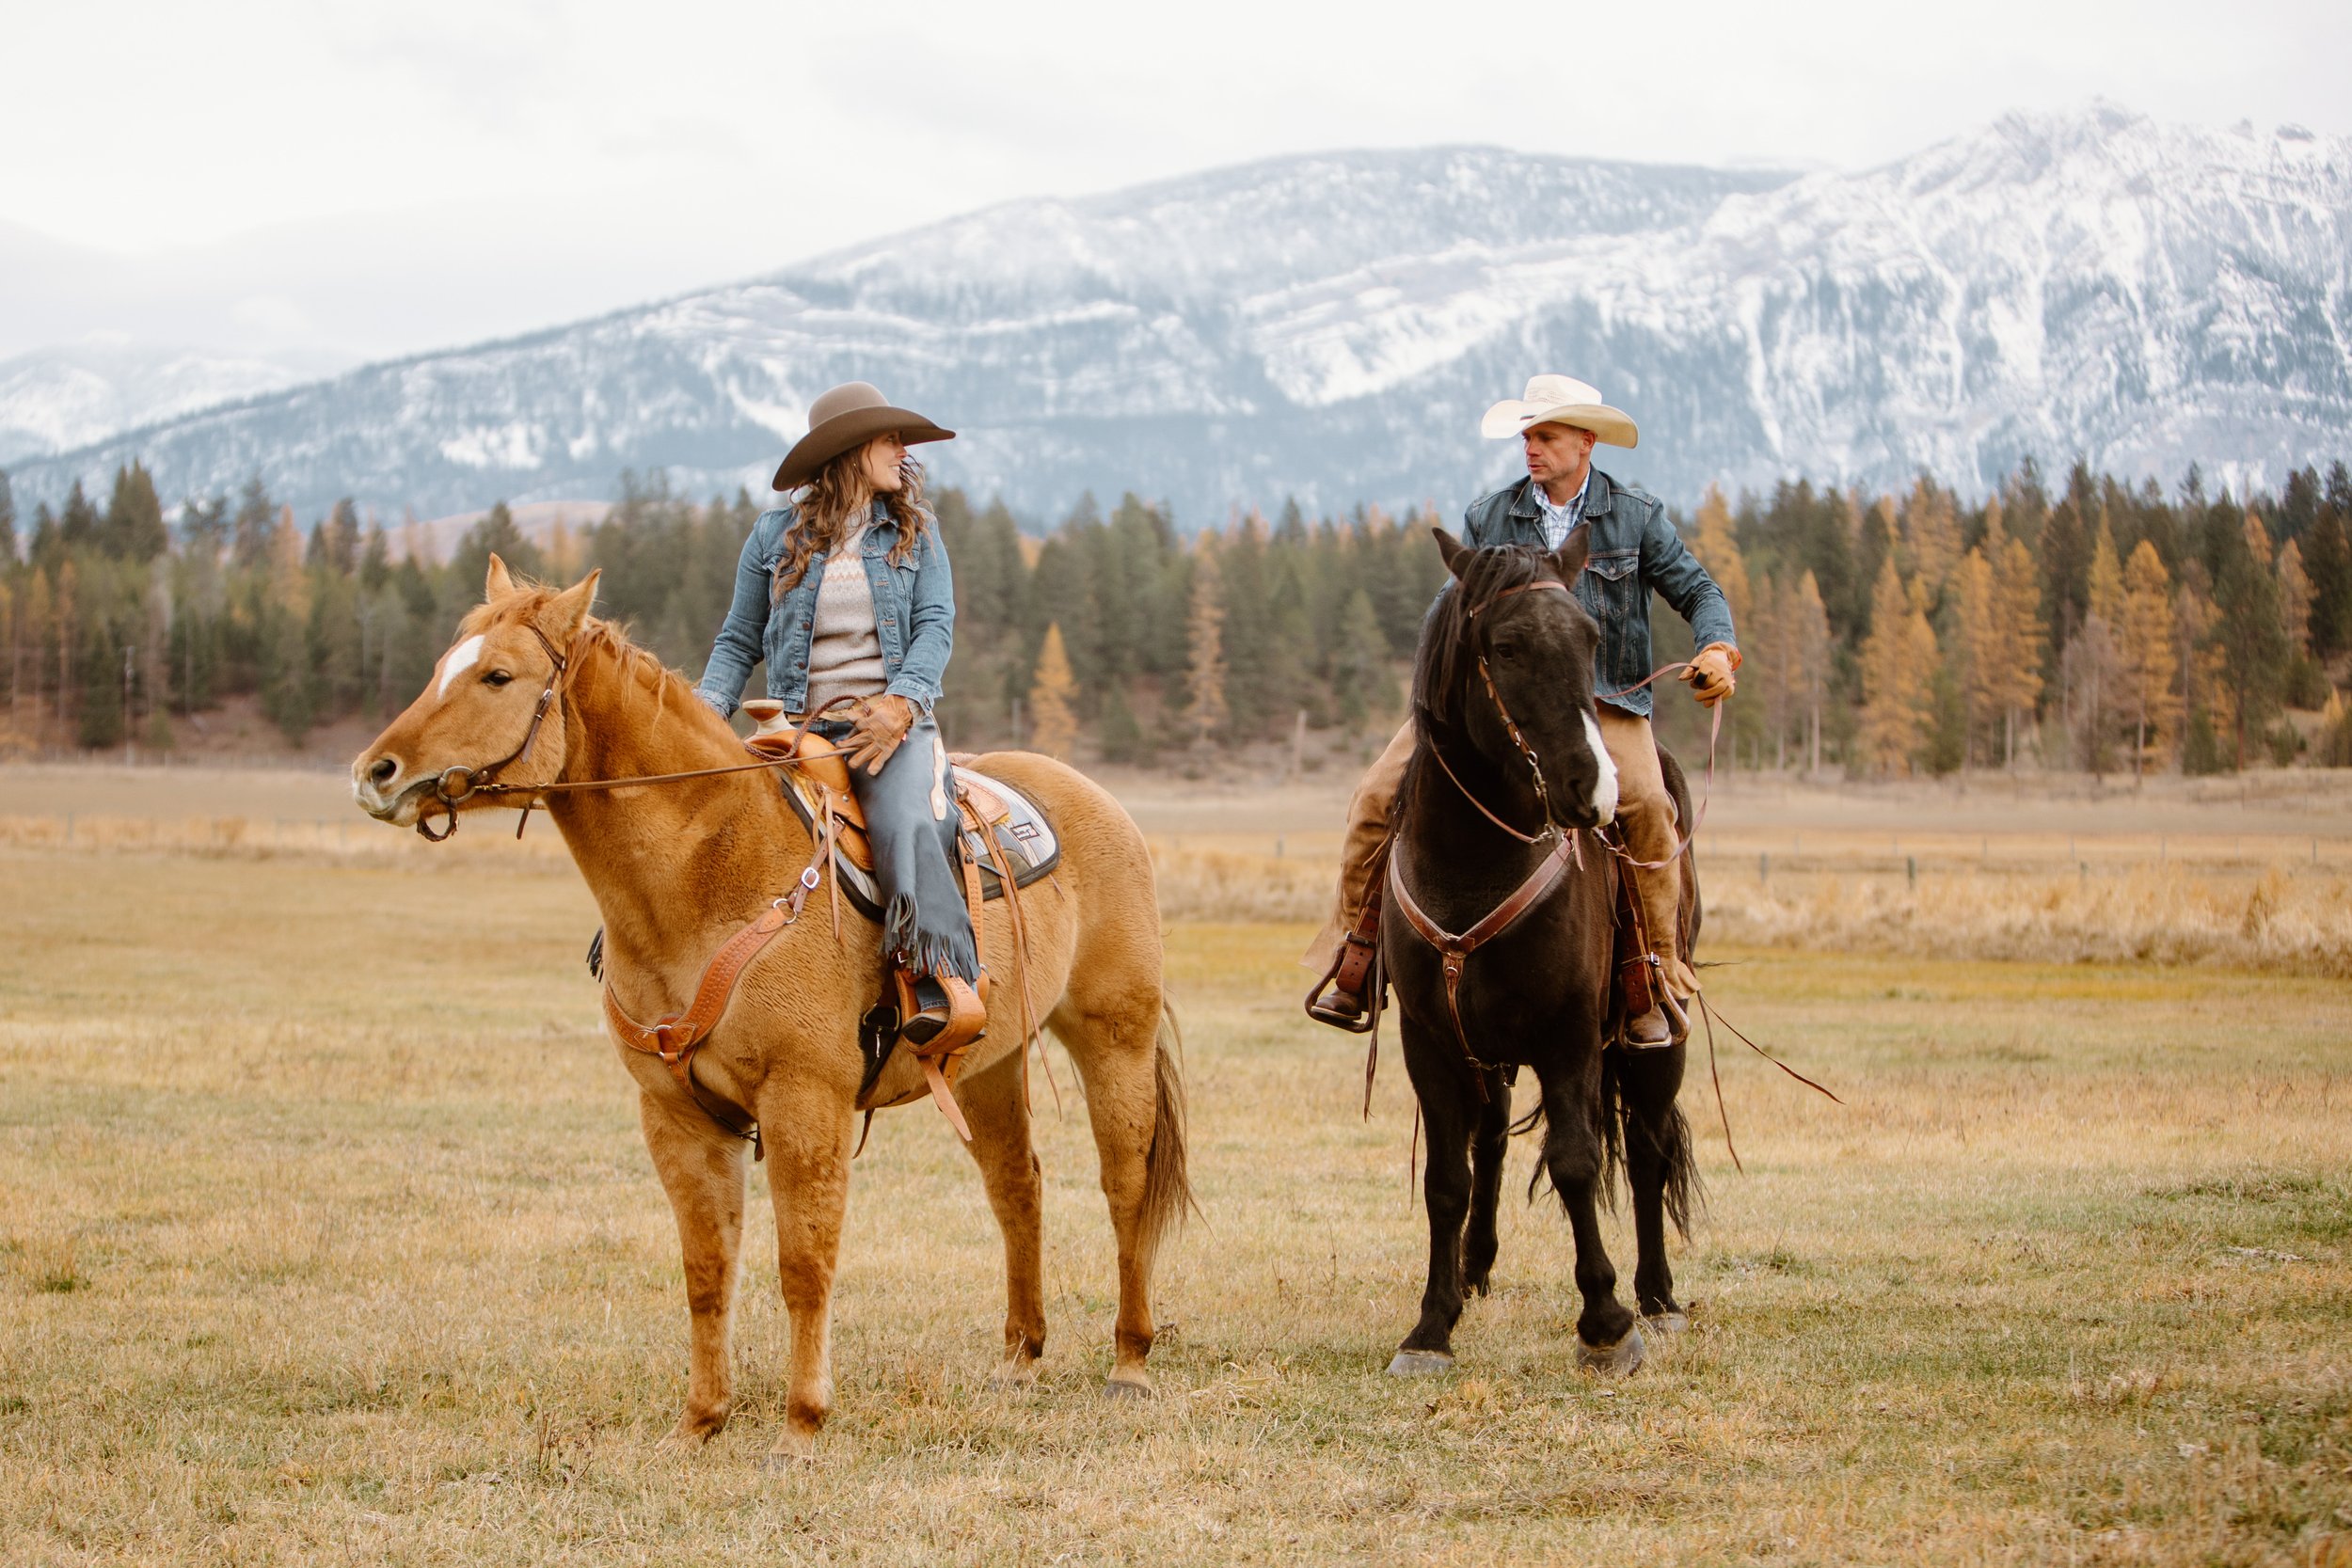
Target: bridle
[1553,826]
[460,783]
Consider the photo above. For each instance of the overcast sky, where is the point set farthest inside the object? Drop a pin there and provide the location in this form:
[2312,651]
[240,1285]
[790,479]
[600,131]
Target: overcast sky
[353,181]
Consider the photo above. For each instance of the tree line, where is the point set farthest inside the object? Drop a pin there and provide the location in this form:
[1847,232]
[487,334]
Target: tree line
[2101,625]
[2105,626]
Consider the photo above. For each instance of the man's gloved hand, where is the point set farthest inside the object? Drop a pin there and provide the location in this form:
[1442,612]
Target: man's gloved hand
[1709,673]
[882,723]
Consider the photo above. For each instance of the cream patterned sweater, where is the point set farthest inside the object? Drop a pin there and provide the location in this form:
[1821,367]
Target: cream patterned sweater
[844,658]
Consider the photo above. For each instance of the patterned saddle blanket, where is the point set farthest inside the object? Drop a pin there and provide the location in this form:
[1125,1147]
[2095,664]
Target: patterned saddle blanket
[1017,826]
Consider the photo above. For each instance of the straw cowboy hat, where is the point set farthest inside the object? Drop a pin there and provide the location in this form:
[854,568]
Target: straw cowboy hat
[844,418]
[1560,400]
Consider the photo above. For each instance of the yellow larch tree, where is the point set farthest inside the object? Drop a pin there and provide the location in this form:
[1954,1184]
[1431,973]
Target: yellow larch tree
[2295,598]
[1930,535]
[1978,654]
[2021,636]
[1716,543]
[1897,676]
[1204,639]
[2152,665]
[1052,724]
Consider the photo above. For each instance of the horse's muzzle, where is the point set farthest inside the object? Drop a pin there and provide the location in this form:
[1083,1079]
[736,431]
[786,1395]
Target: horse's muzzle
[397,806]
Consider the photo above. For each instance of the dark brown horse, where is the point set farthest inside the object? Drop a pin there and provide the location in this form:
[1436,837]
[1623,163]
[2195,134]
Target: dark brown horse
[1499,947]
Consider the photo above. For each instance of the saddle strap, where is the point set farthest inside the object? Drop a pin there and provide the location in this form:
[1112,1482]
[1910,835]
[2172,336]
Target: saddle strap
[1016,924]
[674,1039]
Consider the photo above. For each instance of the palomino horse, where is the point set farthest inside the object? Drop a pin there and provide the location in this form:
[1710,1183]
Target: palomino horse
[678,868]
[1494,842]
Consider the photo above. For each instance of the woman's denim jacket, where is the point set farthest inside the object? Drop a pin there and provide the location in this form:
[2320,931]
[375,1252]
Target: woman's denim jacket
[1636,551]
[914,611]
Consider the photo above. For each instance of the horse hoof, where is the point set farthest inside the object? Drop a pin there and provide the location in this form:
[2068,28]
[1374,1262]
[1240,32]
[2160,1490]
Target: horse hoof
[690,1433]
[1617,1360]
[1018,1376]
[1675,1321]
[794,1452]
[1420,1363]
[1122,1389]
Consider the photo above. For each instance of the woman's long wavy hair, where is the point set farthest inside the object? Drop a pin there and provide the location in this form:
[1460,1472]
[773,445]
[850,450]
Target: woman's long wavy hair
[822,508]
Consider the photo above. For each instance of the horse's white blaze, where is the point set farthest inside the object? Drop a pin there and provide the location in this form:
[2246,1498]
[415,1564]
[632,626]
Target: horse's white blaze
[459,660]
[1605,784]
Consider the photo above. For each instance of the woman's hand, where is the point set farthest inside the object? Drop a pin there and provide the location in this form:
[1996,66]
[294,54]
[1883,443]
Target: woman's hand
[882,723]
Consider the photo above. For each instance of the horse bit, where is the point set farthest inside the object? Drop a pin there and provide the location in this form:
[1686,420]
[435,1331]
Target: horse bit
[460,783]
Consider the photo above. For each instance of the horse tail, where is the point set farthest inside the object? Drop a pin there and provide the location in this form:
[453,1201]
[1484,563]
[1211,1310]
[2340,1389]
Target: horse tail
[1661,1130]
[1685,1193]
[1167,1181]
[1611,1126]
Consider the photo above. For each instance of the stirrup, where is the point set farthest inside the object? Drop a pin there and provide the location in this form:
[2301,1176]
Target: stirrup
[1631,1039]
[1678,1016]
[945,1014]
[1353,980]
[1338,1007]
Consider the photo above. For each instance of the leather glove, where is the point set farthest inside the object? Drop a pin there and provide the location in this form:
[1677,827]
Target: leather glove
[882,723]
[1709,673]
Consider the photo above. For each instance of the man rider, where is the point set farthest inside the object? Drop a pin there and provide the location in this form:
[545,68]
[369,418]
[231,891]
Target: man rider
[1634,552]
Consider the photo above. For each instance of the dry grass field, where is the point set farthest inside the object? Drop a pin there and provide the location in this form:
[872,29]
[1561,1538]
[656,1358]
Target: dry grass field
[326,1235]
[325,1230]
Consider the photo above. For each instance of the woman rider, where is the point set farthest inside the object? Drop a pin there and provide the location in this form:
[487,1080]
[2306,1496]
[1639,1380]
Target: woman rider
[846,592]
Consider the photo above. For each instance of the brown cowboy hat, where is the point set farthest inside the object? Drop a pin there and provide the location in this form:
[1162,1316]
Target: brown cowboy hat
[844,419]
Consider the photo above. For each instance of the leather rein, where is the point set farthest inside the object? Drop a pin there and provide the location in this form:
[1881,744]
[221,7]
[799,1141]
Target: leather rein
[461,783]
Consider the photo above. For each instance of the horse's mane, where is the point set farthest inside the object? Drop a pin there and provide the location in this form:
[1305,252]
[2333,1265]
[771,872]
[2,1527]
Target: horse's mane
[639,664]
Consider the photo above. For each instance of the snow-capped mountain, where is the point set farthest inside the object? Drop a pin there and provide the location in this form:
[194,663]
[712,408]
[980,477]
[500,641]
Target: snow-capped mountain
[59,399]
[1331,326]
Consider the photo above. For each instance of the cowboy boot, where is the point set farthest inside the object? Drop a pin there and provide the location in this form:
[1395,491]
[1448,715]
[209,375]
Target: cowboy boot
[1351,977]
[1655,1017]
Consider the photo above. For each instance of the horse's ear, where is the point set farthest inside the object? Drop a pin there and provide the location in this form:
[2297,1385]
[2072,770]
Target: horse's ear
[568,611]
[1569,559]
[499,582]
[1456,553]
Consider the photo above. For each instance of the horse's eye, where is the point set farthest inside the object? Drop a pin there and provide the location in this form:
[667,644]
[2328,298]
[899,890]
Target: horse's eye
[496,678]
[1506,650]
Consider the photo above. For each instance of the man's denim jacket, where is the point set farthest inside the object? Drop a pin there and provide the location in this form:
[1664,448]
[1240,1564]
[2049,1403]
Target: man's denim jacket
[914,611]
[1635,550]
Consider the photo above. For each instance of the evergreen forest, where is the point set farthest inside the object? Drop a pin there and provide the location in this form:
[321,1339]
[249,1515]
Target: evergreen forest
[2088,624]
